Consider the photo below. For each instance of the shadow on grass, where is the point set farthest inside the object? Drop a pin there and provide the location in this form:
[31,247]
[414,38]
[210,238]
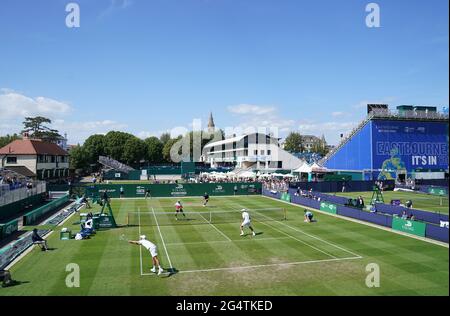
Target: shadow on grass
[14,283]
[169,273]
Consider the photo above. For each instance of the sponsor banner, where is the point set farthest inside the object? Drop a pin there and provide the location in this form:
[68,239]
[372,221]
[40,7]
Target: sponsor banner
[328,207]
[33,216]
[173,190]
[8,228]
[286,197]
[408,226]
[178,190]
[437,191]
[401,147]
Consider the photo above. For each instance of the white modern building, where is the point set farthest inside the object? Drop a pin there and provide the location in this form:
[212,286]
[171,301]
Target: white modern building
[255,151]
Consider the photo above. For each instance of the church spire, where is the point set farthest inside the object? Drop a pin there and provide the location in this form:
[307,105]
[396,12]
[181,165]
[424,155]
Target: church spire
[211,126]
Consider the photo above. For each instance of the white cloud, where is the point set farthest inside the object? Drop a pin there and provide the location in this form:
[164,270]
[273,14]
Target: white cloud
[259,118]
[331,130]
[337,114]
[14,105]
[251,109]
[115,5]
[78,132]
[147,134]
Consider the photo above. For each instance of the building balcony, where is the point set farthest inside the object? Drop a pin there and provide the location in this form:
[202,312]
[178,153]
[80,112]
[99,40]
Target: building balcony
[255,158]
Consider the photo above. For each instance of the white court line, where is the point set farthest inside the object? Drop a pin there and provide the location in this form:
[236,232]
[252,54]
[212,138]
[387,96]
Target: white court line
[162,239]
[354,220]
[222,233]
[267,265]
[312,236]
[140,247]
[299,240]
[224,241]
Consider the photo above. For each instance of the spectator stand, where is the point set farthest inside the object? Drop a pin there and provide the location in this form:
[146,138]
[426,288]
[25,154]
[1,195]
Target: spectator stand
[10,252]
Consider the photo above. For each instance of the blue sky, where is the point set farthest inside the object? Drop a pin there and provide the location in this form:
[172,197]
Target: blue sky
[147,66]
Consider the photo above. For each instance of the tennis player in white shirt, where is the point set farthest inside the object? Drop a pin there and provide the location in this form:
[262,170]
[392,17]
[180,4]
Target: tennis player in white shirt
[246,222]
[151,247]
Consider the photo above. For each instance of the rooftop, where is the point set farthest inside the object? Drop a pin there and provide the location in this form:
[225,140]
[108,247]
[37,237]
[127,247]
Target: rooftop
[32,147]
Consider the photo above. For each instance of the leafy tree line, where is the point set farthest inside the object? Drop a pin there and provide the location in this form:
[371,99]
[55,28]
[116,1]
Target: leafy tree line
[294,143]
[131,150]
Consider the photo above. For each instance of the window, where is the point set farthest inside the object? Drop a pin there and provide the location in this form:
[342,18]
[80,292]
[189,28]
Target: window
[269,152]
[12,160]
[262,152]
[53,159]
[280,164]
[255,152]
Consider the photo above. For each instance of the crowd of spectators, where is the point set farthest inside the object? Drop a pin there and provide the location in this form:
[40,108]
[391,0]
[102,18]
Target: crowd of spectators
[10,181]
[212,179]
[274,184]
[308,194]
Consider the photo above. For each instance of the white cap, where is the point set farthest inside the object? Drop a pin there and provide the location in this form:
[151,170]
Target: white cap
[142,237]
[244,210]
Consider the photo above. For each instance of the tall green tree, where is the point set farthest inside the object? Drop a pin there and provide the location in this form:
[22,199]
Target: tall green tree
[79,158]
[115,144]
[134,151]
[201,138]
[167,147]
[5,140]
[94,147]
[154,149]
[36,127]
[164,138]
[294,143]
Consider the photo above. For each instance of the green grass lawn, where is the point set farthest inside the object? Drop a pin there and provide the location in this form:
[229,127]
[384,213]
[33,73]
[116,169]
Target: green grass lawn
[286,257]
[424,202]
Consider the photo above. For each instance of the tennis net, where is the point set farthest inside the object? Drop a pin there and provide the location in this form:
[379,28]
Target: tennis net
[206,217]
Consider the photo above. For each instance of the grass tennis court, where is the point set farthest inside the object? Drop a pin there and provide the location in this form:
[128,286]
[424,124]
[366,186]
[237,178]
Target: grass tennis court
[421,201]
[287,257]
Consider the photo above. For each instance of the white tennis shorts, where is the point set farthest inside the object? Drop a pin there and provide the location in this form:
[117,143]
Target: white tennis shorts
[245,223]
[153,251]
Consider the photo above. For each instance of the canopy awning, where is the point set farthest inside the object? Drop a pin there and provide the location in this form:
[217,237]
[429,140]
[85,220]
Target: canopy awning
[304,169]
[319,169]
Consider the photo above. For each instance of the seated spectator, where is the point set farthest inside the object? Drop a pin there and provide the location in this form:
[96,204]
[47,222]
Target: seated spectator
[38,240]
[404,215]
